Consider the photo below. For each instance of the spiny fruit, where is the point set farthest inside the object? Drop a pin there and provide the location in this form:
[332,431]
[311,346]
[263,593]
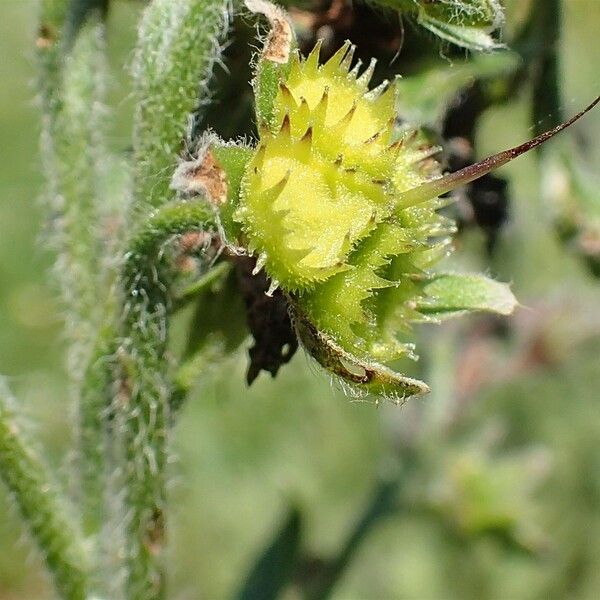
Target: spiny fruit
[322,208]
[339,204]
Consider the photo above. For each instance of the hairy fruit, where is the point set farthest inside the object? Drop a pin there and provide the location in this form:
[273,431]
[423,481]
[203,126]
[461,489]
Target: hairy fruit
[339,204]
[322,208]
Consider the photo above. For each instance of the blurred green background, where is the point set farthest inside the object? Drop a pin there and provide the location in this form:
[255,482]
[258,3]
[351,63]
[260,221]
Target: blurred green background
[503,495]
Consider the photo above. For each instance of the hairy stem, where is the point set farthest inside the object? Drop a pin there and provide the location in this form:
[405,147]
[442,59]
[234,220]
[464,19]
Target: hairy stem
[72,80]
[40,505]
[94,406]
[72,85]
[79,13]
[178,45]
[143,400]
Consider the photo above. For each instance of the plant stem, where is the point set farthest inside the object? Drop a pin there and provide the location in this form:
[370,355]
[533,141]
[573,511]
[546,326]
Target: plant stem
[214,274]
[178,45]
[547,105]
[72,84]
[72,80]
[382,504]
[40,505]
[50,58]
[79,12]
[145,389]
[94,405]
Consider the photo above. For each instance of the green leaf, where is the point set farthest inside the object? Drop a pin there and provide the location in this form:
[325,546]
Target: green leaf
[217,328]
[424,98]
[466,23]
[570,190]
[473,38]
[276,564]
[450,294]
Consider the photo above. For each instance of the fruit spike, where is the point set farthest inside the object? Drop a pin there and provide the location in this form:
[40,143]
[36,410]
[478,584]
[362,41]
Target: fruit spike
[320,111]
[260,263]
[287,98]
[307,137]
[273,287]
[450,182]
[271,194]
[337,63]
[374,137]
[377,92]
[311,64]
[355,69]
[347,60]
[285,126]
[345,120]
[364,80]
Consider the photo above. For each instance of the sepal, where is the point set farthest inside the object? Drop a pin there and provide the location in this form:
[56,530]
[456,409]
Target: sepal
[215,173]
[273,63]
[447,295]
[359,377]
[466,23]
